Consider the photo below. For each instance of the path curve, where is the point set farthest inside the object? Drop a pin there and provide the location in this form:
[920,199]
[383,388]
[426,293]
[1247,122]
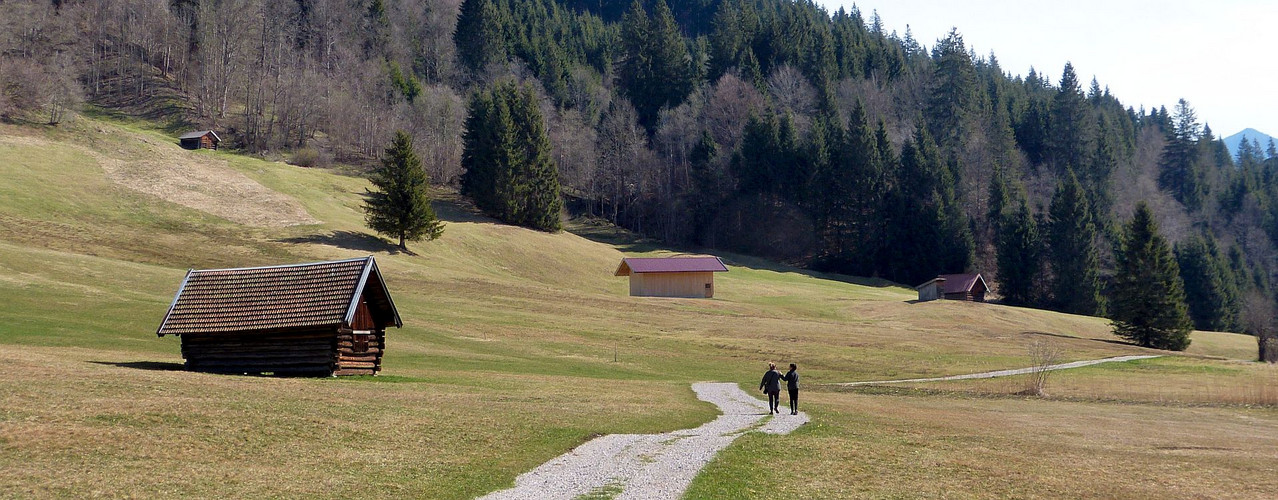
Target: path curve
[1002,373]
[651,466]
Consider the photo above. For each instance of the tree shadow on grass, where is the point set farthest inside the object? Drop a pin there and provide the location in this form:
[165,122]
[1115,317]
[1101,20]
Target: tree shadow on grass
[1071,337]
[158,366]
[350,240]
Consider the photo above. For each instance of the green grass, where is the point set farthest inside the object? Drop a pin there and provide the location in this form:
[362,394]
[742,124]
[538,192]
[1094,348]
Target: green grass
[517,346]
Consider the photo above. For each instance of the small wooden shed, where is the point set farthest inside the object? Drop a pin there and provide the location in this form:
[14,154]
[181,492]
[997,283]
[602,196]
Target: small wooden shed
[691,277]
[968,287]
[317,319]
[200,139]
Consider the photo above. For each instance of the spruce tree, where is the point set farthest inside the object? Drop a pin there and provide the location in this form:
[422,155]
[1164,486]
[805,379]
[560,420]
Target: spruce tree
[654,71]
[400,206]
[708,186]
[726,39]
[1210,288]
[478,35]
[1075,283]
[955,94]
[1148,300]
[1071,138]
[928,230]
[536,195]
[1019,253]
[1181,173]
[509,172]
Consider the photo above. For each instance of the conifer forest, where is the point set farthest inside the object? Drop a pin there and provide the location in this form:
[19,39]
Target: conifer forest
[773,128]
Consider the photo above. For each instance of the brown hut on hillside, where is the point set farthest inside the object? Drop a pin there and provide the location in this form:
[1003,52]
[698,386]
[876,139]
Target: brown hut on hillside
[969,287]
[320,319]
[200,139]
[691,277]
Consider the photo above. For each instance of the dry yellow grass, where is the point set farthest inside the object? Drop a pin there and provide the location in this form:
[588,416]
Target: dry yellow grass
[506,358]
[891,446]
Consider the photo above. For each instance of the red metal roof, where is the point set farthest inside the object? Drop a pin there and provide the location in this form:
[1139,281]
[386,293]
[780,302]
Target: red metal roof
[959,283]
[670,265]
[277,297]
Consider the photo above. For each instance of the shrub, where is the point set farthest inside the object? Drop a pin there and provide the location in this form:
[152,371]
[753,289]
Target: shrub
[306,157]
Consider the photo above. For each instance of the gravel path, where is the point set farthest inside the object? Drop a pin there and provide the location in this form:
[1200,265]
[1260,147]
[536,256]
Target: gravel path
[1002,373]
[651,466]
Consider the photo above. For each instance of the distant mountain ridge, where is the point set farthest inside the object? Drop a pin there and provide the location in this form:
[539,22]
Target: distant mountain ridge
[1248,134]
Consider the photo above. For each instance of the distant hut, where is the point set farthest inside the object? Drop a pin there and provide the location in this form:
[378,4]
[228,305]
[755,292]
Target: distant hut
[691,277]
[321,319]
[968,287]
[200,139]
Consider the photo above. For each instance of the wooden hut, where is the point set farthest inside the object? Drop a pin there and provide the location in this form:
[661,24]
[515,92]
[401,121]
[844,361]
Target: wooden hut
[200,139]
[691,277]
[968,287]
[321,319]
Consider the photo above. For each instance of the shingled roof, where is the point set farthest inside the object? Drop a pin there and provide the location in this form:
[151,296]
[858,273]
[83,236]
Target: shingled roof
[957,283]
[318,294]
[196,134]
[640,265]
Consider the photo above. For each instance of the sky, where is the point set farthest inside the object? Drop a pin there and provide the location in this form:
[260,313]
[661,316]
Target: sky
[1221,56]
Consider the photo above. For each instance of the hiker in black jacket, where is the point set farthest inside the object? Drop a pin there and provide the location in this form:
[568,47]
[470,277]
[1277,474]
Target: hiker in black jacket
[771,385]
[792,382]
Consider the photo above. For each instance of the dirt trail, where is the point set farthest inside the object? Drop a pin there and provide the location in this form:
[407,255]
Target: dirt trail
[651,466]
[1001,373]
[190,179]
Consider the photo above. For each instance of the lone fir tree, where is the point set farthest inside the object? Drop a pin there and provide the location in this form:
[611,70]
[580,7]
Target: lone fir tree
[1148,301]
[400,206]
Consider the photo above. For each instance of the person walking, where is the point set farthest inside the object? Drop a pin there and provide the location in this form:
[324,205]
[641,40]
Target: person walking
[771,385]
[791,379]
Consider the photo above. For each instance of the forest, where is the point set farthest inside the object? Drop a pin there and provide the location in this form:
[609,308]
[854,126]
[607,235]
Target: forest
[767,127]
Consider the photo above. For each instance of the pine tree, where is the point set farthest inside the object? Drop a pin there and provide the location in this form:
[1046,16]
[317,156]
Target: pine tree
[400,206]
[1148,301]
[479,36]
[1071,235]
[1019,253]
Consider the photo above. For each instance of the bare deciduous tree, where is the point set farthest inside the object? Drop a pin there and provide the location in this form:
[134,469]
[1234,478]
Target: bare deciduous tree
[1043,354]
[1258,319]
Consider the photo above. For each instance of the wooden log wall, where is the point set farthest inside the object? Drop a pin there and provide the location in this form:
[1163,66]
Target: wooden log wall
[302,353]
[359,352]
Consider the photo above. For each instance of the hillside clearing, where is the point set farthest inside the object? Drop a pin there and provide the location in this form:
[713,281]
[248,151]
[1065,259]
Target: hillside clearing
[520,345]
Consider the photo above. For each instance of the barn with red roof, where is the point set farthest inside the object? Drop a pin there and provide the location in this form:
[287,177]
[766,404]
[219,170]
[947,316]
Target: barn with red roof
[691,277]
[970,287]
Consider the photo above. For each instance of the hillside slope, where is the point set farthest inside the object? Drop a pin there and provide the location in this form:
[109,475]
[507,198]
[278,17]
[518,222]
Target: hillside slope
[517,344]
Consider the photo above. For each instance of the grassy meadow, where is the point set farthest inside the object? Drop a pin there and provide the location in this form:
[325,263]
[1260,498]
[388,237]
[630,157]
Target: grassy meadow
[519,345]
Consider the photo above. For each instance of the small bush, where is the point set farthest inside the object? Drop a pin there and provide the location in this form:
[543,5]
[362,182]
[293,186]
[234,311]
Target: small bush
[1043,354]
[306,157]
[1268,348]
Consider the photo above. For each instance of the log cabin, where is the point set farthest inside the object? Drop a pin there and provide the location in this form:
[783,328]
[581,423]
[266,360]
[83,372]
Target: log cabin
[967,287]
[691,277]
[314,319]
[200,139]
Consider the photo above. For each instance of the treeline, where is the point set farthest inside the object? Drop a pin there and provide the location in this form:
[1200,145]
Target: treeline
[771,127]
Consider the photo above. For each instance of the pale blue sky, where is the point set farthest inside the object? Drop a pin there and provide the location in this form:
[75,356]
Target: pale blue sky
[1221,56]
